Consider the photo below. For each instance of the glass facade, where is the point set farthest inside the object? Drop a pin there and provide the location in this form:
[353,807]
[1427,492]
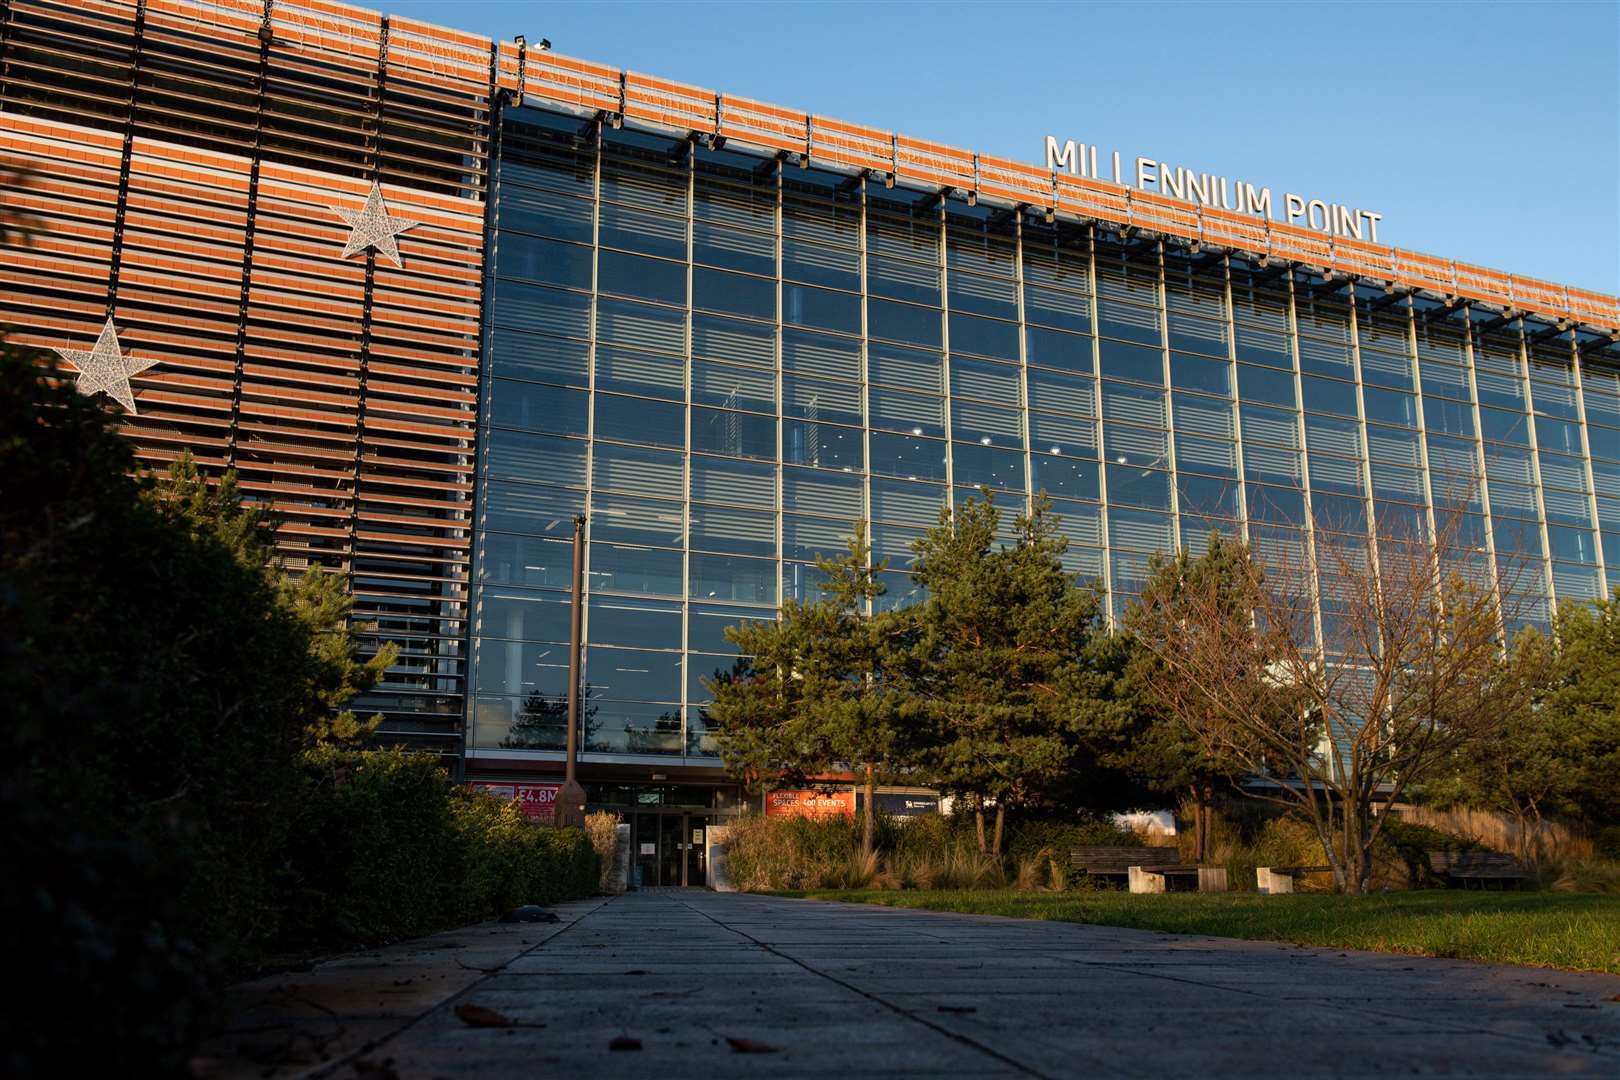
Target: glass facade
[724,360]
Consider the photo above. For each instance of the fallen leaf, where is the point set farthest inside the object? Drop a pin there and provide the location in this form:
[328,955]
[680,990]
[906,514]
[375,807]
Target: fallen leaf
[751,1046]
[958,1008]
[624,1042]
[635,971]
[478,1016]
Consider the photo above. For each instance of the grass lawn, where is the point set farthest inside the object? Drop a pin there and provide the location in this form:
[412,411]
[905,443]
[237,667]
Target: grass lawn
[1563,930]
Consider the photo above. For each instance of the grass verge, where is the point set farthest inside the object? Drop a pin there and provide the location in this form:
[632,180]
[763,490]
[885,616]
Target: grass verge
[1579,933]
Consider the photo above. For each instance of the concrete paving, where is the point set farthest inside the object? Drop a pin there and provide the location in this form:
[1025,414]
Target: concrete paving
[686,983]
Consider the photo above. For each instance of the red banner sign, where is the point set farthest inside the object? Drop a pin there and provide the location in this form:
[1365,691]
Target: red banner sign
[813,804]
[537,801]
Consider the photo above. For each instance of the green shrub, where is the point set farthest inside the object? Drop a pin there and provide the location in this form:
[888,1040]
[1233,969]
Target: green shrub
[1404,848]
[388,847]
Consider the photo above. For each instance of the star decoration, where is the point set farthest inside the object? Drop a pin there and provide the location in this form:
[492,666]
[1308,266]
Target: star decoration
[374,228]
[106,369]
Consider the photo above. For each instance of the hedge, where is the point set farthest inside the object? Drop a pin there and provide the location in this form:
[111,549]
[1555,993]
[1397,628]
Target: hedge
[388,847]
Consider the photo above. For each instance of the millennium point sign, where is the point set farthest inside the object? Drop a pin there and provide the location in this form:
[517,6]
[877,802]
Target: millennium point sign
[1208,189]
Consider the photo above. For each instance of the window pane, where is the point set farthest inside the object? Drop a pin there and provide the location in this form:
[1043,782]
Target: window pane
[729,480]
[523,455]
[531,405]
[732,529]
[821,308]
[1134,486]
[640,624]
[637,471]
[908,369]
[916,414]
[722,431]
[1066,477]
[986,381]
[823,445]
[738,294]
[908,456]
[640,373]
[733,387]
[1053,348]
[627,419]
[726,577]
[633,674]
[1200,373]
[1123,361]
[986,337]
[636,276]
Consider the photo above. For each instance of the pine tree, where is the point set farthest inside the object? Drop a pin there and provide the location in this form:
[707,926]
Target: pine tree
[819,689]
[1007,678]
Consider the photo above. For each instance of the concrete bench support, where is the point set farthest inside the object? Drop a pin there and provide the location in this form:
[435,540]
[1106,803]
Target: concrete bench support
[1143,882]
[1271,884]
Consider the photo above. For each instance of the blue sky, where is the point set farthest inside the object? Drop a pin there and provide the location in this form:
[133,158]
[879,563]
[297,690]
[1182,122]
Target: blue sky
[1487,133]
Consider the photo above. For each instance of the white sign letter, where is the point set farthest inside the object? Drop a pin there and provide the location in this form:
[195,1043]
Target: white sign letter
[1146,170]
[1061,159]
[1295,205]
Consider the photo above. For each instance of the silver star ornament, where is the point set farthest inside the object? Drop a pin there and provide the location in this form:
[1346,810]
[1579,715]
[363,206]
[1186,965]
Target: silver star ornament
[372,227]
[106,369]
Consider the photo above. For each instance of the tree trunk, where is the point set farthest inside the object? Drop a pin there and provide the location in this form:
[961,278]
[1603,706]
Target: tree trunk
[1201,816]
[978,822]
[869,825]
[1001,818]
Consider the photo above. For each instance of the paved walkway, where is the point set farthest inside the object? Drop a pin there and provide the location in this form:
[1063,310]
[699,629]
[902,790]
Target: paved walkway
[687,983]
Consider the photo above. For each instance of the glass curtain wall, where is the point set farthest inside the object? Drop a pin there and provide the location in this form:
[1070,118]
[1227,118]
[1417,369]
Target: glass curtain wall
[725,360]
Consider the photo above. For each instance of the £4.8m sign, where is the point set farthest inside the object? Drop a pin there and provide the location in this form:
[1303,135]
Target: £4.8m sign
[1208,189]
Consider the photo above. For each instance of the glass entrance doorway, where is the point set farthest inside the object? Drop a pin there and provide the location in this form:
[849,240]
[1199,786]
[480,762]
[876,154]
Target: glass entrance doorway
[668,846]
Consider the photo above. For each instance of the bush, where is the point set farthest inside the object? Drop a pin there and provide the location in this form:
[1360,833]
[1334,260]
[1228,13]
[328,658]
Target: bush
[390,848]
[1403,846]
[168,823]
[772,853]
[603,829]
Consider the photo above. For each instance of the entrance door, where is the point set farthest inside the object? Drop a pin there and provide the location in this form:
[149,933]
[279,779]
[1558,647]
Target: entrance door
[671,852]
[669,848]
[696,851]
[645,839]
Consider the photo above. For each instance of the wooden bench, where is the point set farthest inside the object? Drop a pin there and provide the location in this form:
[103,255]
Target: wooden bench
[1479,867]
[1146,869]
[1099,861]
[1275,880]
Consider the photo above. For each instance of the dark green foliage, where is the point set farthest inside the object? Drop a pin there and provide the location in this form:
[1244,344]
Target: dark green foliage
[1411,844]
[1013,669]
[1583,700]
[391,848]
[147,741]
[1559,753]
[822,687]
[164,683]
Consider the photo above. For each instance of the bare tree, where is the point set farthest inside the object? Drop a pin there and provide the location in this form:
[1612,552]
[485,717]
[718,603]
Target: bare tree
[1339,673]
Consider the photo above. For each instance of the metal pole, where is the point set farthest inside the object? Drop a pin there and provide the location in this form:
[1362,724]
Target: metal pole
[571,799]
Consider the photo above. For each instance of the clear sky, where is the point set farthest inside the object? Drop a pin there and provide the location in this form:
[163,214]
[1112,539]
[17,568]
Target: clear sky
[1484,132]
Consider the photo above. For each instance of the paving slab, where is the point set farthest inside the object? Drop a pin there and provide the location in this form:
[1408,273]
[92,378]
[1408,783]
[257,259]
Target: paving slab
[678,984]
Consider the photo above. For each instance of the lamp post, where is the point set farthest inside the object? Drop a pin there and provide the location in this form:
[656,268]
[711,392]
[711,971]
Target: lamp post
[571,799]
